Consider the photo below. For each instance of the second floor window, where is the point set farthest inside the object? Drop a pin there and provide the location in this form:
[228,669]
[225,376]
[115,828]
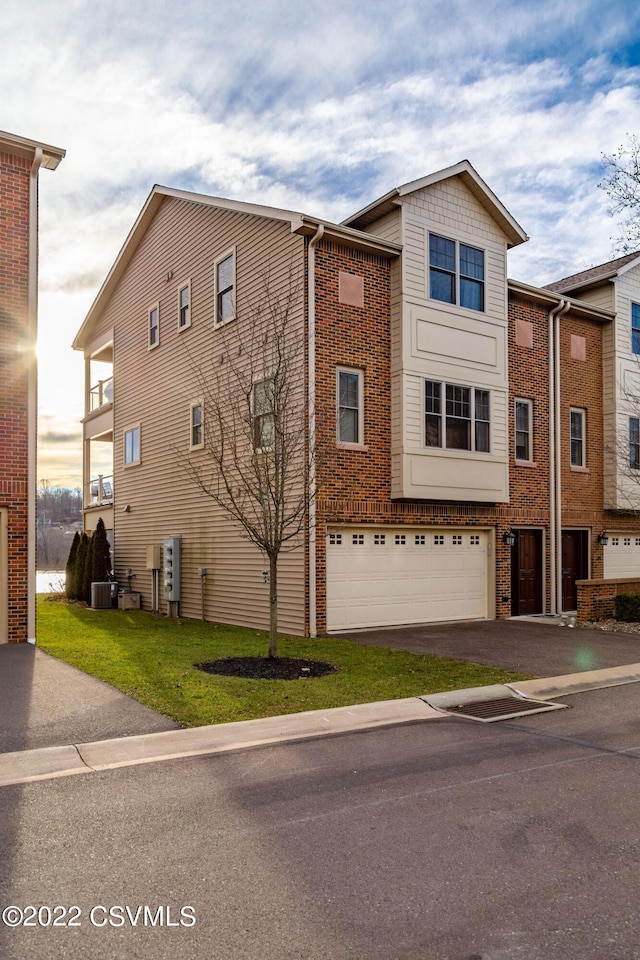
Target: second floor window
[465,421]
[197,426]
[523,430]
[456,273]
[634,443]
[132,446]
[577,437]
[263,415]
[349,405]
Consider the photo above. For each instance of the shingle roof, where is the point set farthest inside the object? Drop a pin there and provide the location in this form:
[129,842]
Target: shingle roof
[603,271]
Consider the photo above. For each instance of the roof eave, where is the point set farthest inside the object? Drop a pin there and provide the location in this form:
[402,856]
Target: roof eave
[553,298]
[24,147]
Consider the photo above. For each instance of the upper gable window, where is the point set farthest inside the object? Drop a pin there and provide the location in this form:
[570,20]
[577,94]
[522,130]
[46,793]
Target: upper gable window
[225,283]
[184,305]
[456,273]
[635,328]
[154,326]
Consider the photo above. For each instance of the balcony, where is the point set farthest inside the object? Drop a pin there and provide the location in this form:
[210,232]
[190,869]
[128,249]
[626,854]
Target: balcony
[98,502]
[101,394]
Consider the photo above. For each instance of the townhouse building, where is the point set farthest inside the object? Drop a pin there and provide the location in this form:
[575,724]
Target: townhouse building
[458,421]
[20,161]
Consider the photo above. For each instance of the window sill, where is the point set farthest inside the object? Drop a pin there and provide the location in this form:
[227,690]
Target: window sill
[526,463]
[580,469]
[358,447]
[223,323]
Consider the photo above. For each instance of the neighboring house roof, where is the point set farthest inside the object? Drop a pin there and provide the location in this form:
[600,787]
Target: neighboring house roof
[550,298]
[485,196]
[51,156]
[595,275]
[300,223]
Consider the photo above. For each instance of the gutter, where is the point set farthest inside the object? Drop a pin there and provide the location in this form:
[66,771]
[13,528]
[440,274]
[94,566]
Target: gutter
[311,401]
[32,393]
[555,462]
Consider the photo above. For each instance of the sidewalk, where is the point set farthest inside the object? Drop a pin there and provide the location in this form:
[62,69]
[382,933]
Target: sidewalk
[163,740]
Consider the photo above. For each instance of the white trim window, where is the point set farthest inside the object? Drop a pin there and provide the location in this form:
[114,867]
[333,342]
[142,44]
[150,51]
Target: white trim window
[184,305]
[350,406]
[462,421]
[635,328]
[154,326]
[131,446]
[263,415]
[634,443]
[456,273]
[523,430]
[196,425]
[577,436]
[225,282]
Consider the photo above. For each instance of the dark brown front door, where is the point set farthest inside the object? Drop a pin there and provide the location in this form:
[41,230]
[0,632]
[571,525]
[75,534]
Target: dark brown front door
[526,573]
[575,556]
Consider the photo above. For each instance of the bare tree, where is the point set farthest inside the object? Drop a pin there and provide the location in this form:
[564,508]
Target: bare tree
[259,456]
[622,185]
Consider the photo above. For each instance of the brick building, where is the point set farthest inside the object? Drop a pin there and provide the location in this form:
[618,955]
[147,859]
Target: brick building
[20,161]
[461,438]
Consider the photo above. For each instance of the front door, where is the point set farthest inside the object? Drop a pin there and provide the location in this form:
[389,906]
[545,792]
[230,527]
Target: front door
[575,557]
[526,573]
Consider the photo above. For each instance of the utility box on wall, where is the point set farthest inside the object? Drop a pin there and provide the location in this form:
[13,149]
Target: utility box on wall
[153,558]
[171,568]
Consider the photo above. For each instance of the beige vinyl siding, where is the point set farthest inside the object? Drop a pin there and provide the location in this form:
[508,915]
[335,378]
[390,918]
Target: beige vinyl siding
[387,227]
[154,389]
[603,296]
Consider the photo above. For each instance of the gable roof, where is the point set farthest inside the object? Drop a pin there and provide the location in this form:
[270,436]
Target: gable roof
[301,224]
[595,275]
[469,176]
[51,156]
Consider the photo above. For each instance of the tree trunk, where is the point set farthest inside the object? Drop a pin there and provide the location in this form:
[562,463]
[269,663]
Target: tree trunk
[273,605]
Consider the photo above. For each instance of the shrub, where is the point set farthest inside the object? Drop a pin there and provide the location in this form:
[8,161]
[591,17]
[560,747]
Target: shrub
[70,585]
[627,607]
[101,569]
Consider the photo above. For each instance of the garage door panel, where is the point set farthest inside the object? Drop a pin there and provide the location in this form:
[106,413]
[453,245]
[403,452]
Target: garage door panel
[391,577]
[622,556]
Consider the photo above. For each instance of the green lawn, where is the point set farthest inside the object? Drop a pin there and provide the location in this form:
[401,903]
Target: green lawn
[151,657]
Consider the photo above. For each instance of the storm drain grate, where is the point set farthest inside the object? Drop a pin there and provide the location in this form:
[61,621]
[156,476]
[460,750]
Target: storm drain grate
[501,709]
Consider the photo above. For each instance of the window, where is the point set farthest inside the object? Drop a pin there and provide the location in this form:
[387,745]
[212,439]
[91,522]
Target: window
[184,306]
[456,273]
[635,328]
[263,416]
[154,326]
[634,443]
[196,429]
[523,430]
[467,417]
[132,446]
[225,276]
[349,389]
[577,435]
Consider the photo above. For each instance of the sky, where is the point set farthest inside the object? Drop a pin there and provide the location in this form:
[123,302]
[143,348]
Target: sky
[319,108]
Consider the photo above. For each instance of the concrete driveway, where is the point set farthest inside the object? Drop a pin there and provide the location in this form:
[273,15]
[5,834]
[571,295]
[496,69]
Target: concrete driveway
[540,648]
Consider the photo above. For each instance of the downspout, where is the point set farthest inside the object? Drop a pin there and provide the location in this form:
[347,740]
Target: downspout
[311,400]
[32,394]
[555,462]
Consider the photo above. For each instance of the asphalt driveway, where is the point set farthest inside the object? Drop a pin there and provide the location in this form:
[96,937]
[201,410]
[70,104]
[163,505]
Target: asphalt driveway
[539,648]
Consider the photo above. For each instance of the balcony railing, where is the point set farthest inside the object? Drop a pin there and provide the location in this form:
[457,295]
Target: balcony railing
[100,492]
[100,394]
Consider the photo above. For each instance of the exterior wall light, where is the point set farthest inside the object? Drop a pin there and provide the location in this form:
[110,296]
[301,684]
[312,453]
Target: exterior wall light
[509,538]
[603,539]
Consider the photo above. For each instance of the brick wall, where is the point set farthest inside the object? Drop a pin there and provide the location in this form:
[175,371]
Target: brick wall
[14,235]
[596,598]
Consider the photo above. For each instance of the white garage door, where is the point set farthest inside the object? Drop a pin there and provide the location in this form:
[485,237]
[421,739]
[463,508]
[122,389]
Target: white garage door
[622,556]
[388,576]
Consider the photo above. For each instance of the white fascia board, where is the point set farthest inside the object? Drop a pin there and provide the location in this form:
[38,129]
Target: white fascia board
[51,156]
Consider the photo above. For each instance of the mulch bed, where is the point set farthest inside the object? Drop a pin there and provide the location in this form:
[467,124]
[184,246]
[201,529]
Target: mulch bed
[267,668]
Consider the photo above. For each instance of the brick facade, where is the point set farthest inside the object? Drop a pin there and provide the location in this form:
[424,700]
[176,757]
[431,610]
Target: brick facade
[14,346]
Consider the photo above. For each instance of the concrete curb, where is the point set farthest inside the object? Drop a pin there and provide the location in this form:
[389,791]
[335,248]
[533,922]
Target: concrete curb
[29,765]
